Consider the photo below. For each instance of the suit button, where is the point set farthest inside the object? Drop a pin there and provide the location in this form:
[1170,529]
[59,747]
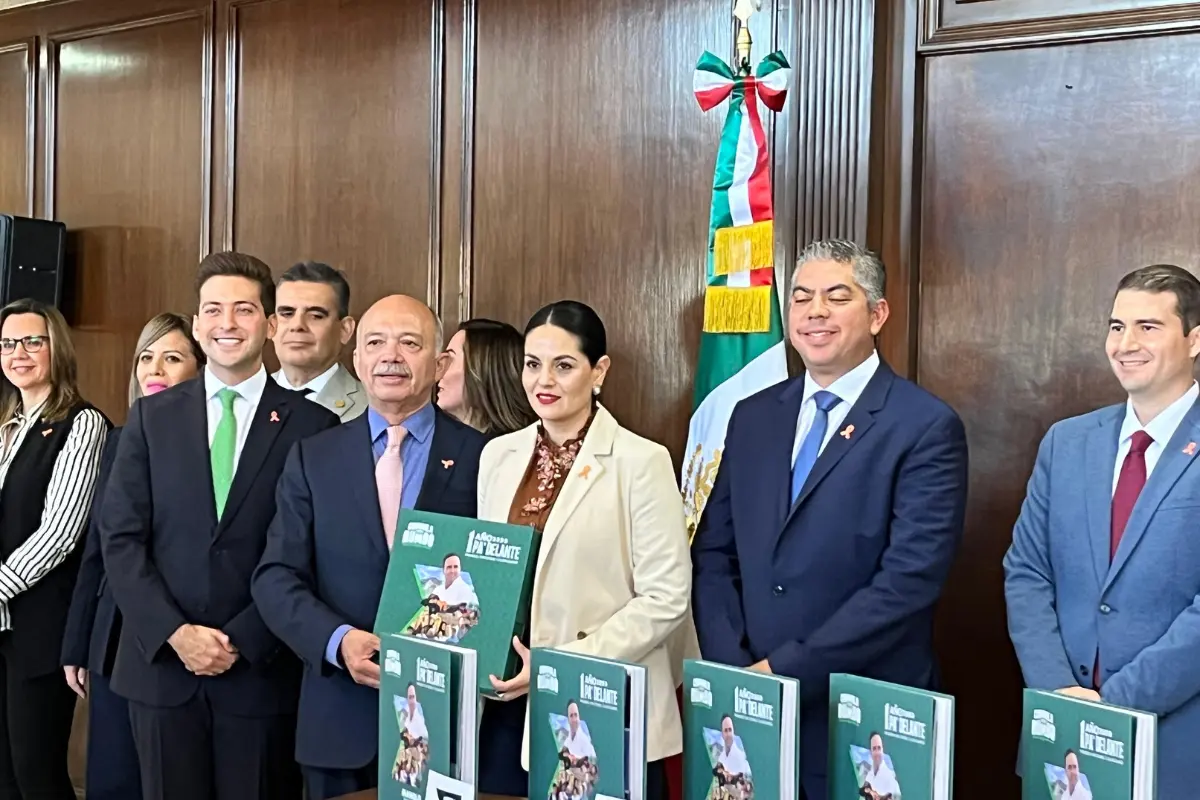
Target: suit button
[1105,608]
[777,591]
[1083,670]
[580,635]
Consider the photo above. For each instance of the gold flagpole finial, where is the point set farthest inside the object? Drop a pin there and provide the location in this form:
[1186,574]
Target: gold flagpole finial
[743,11]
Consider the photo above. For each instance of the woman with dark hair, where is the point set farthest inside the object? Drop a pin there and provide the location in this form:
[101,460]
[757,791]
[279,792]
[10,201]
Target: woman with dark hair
[166,354]
[614,575]
[50,443]
[482,383]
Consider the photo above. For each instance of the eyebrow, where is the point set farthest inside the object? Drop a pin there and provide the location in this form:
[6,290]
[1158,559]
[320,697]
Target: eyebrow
[836,287]
[306,308]
[1115,321]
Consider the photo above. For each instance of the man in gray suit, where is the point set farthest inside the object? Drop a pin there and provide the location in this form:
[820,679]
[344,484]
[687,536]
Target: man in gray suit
[314,323]
[1102,579]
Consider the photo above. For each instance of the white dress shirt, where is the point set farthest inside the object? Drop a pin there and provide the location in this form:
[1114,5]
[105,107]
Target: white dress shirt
[849,388]
[317,384]
[734,760]
[1080,793]
[414,722]
[579,745]
[883,781]
[249,393]
[458,592]
[1160,429]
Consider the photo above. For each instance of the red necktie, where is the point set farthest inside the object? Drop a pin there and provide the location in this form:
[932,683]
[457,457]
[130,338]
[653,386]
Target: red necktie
[1129,486]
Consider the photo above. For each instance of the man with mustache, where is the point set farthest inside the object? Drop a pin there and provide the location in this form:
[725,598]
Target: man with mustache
[313,323]
[212,693]
[322,574]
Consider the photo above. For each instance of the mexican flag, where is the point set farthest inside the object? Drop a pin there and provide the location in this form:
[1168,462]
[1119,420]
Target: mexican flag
[742,345]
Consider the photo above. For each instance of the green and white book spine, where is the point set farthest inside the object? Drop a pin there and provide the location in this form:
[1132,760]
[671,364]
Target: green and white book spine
[888,741]
[741,734]
[463,582]
[1075,749]
[428,721]
[587,728]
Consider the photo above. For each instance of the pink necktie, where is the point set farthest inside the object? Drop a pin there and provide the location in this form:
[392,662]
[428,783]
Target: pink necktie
[389,480]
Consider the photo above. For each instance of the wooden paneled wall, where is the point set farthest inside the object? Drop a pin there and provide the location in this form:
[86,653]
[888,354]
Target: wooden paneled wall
[1009,158]
[1034,152]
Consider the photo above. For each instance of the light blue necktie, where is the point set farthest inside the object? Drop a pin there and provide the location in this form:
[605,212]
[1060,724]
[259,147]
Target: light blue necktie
[810,448]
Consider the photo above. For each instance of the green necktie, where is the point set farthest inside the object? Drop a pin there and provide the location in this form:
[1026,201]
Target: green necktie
[223,445]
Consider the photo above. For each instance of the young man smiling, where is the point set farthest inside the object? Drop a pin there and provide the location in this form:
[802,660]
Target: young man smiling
[192,492]
[1102,576]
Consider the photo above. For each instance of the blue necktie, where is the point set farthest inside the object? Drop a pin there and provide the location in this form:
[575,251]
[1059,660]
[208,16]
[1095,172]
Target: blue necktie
[810,448]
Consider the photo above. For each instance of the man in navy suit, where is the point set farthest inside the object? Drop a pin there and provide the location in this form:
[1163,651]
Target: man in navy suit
[836,511]
[212,693]
[1102,579]
[322,575]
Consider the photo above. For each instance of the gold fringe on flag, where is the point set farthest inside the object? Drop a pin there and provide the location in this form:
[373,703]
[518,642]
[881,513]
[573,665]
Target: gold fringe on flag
[744,248]
[737,310]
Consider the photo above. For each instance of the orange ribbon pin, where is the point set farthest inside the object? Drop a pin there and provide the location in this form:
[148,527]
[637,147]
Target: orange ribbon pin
[849,429]
[1190,450]
[583,473]
[447,463]
[274,416]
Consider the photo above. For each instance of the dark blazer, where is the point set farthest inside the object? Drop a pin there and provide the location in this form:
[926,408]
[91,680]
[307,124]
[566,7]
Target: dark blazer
[94,623]
[845,580]
[170,561]
[325,564]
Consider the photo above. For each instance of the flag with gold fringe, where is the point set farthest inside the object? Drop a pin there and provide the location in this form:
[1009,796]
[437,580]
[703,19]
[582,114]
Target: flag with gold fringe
[742,344]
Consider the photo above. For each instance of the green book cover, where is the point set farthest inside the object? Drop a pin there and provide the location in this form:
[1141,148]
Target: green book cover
[579,726]
[1078,750]
[416,737]
[887,741]
[460,581]
[740,734]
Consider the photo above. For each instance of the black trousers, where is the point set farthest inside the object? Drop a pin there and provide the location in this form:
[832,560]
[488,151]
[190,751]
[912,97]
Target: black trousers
[112,763]
[323,784]
[35,727]
[196,752]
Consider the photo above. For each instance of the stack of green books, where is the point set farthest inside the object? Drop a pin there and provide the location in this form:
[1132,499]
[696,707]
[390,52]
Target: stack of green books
[1079,750]
[463,582]
[587,728]
[740,734]
[888,741]
[428,719]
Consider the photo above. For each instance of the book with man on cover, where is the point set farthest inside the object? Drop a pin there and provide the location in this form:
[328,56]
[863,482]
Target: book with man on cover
[888,742]
[1075,749]
[428,719]
[587,728]
[463,582]
[740,734]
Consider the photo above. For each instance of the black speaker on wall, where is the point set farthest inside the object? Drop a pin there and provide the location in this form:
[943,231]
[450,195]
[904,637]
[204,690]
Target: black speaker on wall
[31,259]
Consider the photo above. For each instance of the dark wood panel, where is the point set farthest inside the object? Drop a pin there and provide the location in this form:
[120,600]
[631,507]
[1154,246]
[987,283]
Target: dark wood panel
[1048,174]
[125,172]
[18,80]
[981,24]
[593,176]
[328,139]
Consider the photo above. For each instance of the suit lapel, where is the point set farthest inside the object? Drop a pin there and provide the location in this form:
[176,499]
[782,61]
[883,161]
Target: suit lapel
[861,417]
[360,470]
[268,420]
[1100,454]
[1171,465]
[443,452]
[194,429]
[584,474]
[508,474]
[776,478]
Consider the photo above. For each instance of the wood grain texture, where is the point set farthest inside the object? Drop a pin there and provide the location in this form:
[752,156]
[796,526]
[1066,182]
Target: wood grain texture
[593,175]
[18,81]
[327,141]
[1048,174]
[125,163]
[964,25]
[836,44]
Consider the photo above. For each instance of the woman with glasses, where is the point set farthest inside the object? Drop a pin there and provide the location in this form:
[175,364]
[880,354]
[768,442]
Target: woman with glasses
[50,445]
[166,354]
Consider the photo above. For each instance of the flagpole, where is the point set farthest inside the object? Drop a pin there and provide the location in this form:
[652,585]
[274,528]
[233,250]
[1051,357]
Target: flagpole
[743,11]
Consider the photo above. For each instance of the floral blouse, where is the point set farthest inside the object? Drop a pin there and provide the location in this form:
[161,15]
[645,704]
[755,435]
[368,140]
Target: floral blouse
[544,477]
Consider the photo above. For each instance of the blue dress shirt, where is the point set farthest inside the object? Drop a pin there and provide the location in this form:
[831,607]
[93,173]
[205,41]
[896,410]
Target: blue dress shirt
[414,455]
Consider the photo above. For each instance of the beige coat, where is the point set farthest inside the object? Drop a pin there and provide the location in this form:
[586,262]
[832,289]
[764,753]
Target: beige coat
[614,575]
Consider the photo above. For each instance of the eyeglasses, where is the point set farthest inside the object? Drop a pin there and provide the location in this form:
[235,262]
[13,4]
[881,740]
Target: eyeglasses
[32,344]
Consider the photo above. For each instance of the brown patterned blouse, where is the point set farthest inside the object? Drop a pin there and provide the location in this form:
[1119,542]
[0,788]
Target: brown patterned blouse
[544,477]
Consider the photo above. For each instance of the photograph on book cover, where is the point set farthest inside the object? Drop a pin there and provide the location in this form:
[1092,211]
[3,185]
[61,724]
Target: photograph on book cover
[732,777]
[1065,781]
[578,772]
[411,764]
[449,605]
[875,772]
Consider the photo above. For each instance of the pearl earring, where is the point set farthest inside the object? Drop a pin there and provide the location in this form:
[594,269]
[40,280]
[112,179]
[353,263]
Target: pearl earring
[596,391]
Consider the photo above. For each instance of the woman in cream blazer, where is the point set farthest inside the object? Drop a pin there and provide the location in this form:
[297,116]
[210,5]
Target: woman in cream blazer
[613,577]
